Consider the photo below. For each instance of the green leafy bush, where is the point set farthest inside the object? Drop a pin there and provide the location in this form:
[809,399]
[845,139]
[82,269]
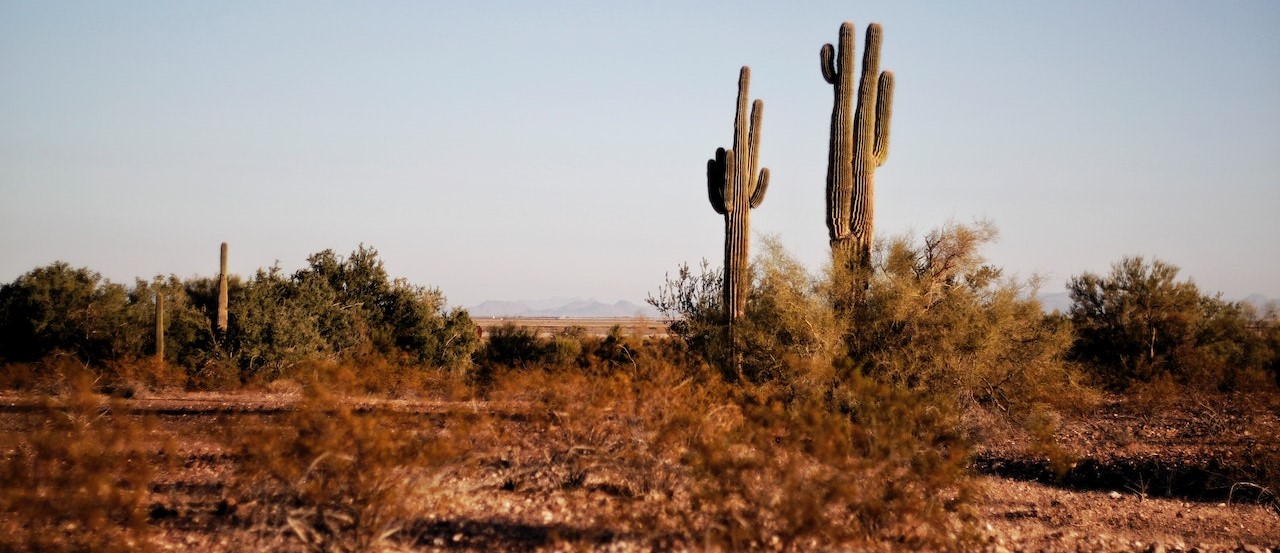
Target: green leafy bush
[336,308]
[1140,322]
[57,308]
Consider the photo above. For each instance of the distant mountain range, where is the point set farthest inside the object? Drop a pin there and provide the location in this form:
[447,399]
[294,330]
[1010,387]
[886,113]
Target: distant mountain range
[561,307]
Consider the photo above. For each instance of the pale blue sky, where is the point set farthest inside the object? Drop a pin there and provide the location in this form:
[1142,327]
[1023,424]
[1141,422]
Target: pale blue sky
[537,149]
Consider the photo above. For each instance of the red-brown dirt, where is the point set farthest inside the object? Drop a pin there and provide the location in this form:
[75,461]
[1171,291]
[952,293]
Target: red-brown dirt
[1176,475]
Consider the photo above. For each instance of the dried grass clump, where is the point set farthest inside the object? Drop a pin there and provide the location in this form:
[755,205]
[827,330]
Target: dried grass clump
[693,461]
[606,433]
[866,464]
[336,479]
[78,481]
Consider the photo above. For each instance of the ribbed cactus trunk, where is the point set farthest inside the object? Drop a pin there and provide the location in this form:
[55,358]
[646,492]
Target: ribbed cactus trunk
[222,291]
[159,324]
[734,189]
[859,144]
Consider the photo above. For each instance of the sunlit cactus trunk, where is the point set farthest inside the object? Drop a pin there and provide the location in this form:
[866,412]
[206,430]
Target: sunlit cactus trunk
[859,144]
[159,324]
[222,291]
[734,188]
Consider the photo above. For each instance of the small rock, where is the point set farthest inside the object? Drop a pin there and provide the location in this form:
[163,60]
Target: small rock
[1114,495]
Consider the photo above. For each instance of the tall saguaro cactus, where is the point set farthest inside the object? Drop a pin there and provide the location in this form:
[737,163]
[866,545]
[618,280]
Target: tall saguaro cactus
[222,291]
[859,144]
[734,189]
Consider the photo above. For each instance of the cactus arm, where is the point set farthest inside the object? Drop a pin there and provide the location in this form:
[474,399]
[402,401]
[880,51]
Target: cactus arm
[884,112]
[753,143]
[827,60]
[757,196]
[867,95]
[846,48]
[715,181]
[730,180]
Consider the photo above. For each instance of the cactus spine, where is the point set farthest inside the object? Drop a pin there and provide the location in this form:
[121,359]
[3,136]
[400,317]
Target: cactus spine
[159,324]
[734,189]
[222,291]
[859,144]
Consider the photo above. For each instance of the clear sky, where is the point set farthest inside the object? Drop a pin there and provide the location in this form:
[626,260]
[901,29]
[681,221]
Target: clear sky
[525,150]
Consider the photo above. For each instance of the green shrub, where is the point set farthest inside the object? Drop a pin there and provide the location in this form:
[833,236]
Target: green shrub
[333,309]
[1140,322]
[56,308]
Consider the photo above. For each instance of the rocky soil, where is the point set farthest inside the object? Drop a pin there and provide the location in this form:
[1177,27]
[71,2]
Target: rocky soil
[1129,476]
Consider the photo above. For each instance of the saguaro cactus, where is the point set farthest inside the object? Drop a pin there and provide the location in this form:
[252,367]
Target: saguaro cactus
[734,189]
[159,324]
[222,291]
[859,144]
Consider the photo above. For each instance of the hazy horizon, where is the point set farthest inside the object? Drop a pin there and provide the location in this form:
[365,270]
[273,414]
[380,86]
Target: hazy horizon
[526,151]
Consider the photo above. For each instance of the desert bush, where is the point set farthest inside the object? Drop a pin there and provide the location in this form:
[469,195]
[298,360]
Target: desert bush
[516,347]
[342,308]
[338,480]
[335,308]
[932,316]
[57,308]
[565,348]
[609,353]
[272,325]
[512,346]
[936,317]
[79,481]
[694,304]
[786,318]
[1140,322]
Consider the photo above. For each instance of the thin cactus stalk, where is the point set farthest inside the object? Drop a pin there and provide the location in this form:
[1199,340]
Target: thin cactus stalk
[734,188]
[159,324]
[859,144]
[222,291]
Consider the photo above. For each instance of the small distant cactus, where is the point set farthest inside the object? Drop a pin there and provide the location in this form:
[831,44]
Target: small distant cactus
[159,324]
[734,189]
[222,291]
[859,144]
